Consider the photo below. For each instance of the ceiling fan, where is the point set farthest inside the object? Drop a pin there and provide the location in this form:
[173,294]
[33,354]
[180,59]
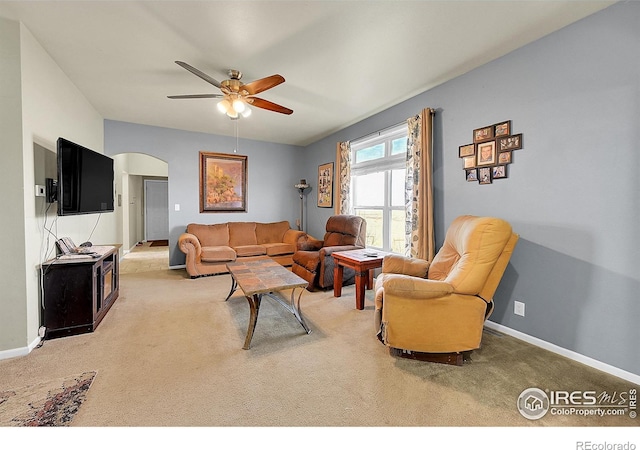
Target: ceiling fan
[235,95]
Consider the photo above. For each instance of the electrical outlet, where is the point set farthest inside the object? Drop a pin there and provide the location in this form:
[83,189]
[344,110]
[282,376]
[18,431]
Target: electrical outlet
[42,331]
[518,308]
[40,190]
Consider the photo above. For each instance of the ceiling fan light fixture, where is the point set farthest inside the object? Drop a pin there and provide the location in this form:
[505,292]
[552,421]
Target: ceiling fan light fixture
[224,105]
[236,96]
[238,105]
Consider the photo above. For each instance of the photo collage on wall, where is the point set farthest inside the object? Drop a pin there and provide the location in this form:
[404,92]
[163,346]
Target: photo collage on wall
[491,152]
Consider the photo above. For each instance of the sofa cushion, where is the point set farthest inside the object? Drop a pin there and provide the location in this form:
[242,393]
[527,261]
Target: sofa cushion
[271,232]
[250,250]
[279,248]
[210,235]
[218,253]
[242,233]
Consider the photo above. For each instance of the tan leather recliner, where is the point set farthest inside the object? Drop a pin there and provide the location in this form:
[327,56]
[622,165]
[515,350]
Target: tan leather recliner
[436,311]
[314,262]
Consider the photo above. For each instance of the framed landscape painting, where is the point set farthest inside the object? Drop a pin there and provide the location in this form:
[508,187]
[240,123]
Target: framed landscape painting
[223,182]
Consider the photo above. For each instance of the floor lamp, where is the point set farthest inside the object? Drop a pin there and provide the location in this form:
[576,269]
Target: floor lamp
[301,187]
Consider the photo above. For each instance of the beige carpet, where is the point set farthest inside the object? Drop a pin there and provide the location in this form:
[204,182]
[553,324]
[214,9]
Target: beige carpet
[169,353]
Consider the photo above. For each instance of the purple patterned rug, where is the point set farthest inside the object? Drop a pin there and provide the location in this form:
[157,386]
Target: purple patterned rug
[53,403]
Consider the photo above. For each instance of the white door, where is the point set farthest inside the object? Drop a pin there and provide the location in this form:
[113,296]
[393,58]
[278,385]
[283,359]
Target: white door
[156,209]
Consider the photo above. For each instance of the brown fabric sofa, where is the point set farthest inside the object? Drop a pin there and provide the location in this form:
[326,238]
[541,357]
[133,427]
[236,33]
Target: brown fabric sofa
[210,247]
[314,261]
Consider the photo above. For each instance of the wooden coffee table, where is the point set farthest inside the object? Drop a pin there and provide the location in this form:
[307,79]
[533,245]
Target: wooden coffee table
[266,277]
[363,264]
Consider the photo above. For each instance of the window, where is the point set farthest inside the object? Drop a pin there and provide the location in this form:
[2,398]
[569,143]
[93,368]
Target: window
[377,187]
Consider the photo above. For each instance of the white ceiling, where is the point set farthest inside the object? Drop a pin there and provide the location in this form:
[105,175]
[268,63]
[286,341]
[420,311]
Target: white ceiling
[342,60]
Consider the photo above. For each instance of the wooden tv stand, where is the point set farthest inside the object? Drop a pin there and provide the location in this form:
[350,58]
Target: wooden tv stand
[78,292]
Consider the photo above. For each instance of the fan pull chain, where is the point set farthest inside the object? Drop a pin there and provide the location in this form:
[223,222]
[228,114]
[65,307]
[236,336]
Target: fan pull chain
[235,150]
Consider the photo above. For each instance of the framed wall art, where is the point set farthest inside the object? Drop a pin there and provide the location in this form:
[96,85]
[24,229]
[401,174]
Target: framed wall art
[484,175]
[223,182]
[491,152]
[503,128]
[499,172]
[504,158]
[472,174]
[466,150]
[469,162]
[482,134]
[325,185]
[510,142]
[486,153]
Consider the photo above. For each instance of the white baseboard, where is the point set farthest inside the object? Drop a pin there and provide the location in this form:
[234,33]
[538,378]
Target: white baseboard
[611,370]
[180,266]
[22,351]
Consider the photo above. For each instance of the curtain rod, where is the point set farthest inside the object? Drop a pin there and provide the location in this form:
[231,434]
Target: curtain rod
[379,132]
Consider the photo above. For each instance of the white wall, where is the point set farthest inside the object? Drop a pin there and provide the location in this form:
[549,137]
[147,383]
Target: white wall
[51,107]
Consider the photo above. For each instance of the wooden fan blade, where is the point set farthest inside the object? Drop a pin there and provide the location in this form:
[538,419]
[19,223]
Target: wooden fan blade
[265,104]
[198,73]
[255,87]
[196,96]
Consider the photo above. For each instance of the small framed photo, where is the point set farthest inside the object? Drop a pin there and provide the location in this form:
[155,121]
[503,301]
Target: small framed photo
[504,157]
[499,172]
[469,162]
[482,134]
[472,174]
[510,142]
[466,150]
[325,185]
[503,128]
[484,175]
[486,154]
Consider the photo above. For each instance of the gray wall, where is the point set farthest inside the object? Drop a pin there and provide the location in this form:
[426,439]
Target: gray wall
[273,169]
[573,190]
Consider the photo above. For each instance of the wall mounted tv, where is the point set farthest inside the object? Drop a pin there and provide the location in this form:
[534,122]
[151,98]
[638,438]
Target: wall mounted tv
[85,180]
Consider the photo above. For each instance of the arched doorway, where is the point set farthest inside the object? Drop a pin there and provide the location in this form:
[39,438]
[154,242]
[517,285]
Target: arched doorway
[131,172]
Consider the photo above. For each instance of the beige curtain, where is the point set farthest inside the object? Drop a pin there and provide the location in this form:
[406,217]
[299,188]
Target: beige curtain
[343,157]
[419,187]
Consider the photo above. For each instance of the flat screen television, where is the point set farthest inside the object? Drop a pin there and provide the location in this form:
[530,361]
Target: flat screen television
[85,180]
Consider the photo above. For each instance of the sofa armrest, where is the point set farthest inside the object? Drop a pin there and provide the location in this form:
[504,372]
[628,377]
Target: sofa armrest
[190,244]
[413,287]
[294,237]
[404,265]
[309,243]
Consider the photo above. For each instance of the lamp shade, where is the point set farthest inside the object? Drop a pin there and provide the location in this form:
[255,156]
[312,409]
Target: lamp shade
[224,105]
[238,105]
